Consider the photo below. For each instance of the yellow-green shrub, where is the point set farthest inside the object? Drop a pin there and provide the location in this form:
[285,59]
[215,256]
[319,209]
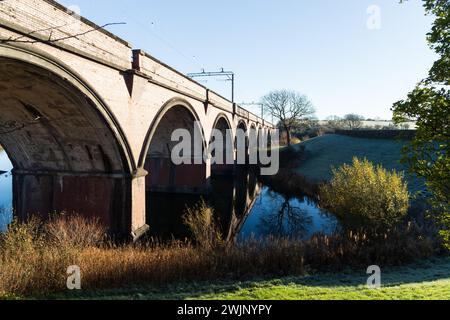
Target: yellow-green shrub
[365,196]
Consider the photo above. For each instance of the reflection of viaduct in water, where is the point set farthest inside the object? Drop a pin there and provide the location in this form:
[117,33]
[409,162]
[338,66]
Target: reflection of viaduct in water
[242,194]
[232,200]
[86,120]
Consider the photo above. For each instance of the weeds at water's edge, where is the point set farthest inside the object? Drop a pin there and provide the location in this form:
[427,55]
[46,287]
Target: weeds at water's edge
[32,265]
[201,222]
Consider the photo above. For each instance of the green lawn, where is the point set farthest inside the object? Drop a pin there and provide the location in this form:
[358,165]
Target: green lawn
[326,152]
[423,280]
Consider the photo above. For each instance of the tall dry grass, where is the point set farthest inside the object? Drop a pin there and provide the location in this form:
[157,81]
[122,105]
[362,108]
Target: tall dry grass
[34,257]
[203,226]
[74,231]
[29,263]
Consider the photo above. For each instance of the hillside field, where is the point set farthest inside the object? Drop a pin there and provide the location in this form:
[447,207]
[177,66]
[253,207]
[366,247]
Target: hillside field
[325,152]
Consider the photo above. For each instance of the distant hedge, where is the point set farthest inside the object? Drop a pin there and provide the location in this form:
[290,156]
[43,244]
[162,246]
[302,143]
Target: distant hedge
[379,134]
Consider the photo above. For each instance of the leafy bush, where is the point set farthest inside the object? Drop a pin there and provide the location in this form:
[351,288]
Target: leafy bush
[365,196]
[441,214]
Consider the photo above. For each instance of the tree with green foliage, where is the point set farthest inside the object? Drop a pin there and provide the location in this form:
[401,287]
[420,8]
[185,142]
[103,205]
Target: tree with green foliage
[429,104]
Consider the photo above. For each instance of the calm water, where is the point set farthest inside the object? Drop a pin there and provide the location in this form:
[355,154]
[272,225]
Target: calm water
[5,191]
[243,206]
[282,216]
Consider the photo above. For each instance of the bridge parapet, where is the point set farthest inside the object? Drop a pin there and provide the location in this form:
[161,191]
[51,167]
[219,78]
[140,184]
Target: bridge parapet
[241,112]
[253,117]
[49,22]
[167,76]
[220,102]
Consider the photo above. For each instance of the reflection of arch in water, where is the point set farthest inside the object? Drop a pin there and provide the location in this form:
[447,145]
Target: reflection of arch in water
[241,187]
[252,185]
[230,200]
[223,200]
[247,189]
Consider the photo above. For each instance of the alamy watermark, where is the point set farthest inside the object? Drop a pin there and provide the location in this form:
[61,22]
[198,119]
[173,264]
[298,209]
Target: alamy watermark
[74,278]
[374,280]
[244,148]
[374,19]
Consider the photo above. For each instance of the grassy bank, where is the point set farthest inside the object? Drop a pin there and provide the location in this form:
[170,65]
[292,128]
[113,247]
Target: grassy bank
[425,280]
[310,163]
[325,152]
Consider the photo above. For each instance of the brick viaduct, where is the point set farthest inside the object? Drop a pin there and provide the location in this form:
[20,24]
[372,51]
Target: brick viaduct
[87,120]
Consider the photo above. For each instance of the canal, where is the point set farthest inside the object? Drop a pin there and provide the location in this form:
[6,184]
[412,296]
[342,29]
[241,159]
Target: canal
[243,206]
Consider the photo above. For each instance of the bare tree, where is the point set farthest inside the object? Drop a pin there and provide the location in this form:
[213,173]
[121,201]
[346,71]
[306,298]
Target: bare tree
[289,107]
[353,121]
[335,122]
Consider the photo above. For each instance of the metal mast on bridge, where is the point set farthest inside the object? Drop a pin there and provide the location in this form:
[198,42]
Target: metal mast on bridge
[228,74]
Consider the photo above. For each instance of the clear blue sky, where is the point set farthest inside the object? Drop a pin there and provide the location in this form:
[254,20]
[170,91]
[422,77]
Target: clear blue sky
[322,48]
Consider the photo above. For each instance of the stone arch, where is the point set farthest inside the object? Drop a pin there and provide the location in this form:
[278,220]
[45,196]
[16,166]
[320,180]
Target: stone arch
[241,154]
[24,73]
[173,103]
[224,119]
[242,125]
[260,134]
[165,175]
[67,149]
[221,165]
[253,143]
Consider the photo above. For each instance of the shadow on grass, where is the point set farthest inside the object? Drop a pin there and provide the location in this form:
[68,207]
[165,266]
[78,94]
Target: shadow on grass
[421,272]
